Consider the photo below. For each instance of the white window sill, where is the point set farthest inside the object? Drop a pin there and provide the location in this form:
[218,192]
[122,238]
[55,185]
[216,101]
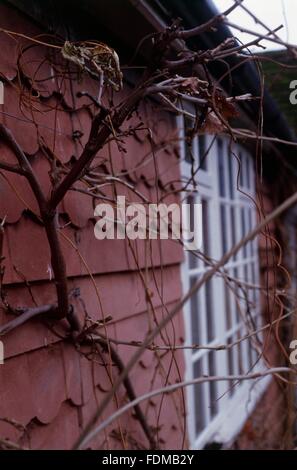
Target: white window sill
[227,425]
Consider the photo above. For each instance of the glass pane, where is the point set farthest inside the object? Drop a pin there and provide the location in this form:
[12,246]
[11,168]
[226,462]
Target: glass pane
[246,273]
[193,259]
[188,125]
[205,227]
[202,151]
[250,226]
[231,178]
[243,230]
[209,310]
[247,171]
[235,360]
[192,256]
[222,186]
[230,365]
[250,356]
[239,348]
[254,282]
[234,296]
[212,385]
[194,308]
[189,157]
[228,308]
[241,169]
[255,353]
[224,228]
[199,398]
[233,228]
[250,290]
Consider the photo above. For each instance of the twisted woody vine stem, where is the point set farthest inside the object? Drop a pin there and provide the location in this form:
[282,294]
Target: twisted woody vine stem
[159,78]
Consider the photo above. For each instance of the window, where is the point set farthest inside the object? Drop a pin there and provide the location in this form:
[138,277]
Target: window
[223,311]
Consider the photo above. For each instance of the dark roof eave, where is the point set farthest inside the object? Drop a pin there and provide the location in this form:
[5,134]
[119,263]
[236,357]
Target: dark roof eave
[245,78]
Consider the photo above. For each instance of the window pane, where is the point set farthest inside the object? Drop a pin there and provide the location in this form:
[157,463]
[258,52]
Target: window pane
[241,170]
[189,157]
[239,349]
[192,256]
[209,310]
[188,145]
[224,228]
[202,151]
[230,365]
[251,362]
[228,308]
[255,353]
[194,306]
[205,227]
[243,230]
[250,226]
[212,385]
[193,259]
[235,359]
[199,398]
[254,282]
[246,273]
[231,178]
[236,295]
[233,228]
[247,172]
[221,169]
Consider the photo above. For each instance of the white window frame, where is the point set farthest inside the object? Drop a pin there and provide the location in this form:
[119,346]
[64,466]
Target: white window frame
[233,410]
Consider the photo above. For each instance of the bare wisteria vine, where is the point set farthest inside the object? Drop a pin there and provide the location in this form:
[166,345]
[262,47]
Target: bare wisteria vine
[174,75]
